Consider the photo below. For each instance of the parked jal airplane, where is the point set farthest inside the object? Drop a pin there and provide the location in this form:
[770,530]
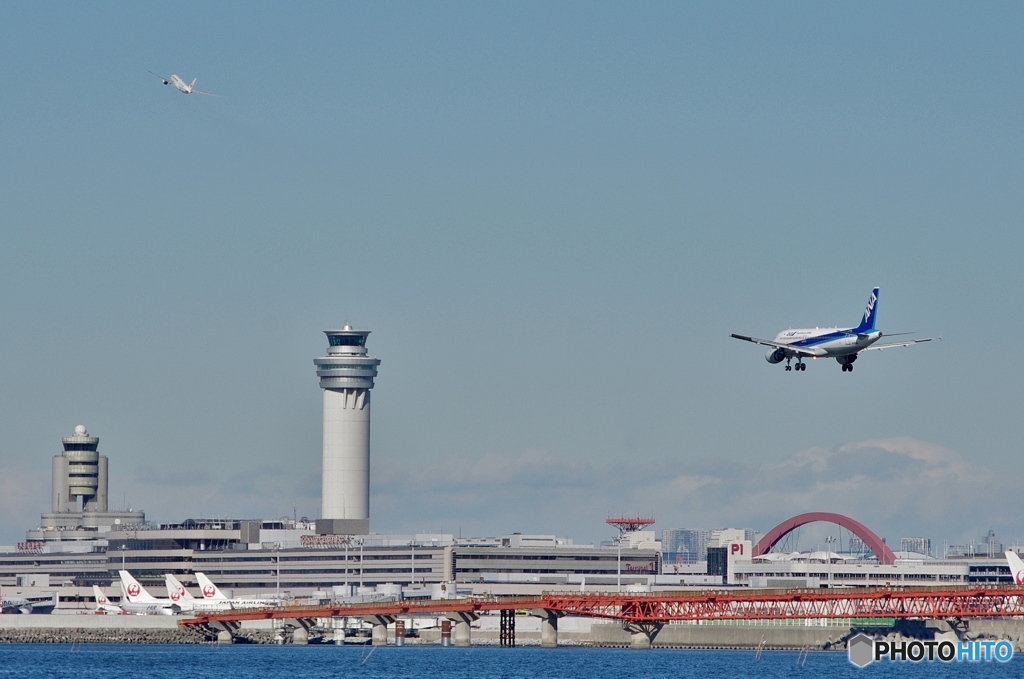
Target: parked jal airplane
[183,87]
[842,344]
[1016,567]
[103,604]
[212,593]
[188,603]
[142,602]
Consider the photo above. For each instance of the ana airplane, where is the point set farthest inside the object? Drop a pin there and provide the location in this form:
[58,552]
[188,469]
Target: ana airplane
[1016,567]
[842,344]
[212,594]
[14,604]
[103,604]
[142,602]
[182,86]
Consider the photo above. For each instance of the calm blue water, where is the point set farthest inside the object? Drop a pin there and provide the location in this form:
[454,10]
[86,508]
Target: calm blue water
[25,661]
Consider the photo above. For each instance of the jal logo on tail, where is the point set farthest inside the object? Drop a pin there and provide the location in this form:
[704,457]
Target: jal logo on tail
[209,591]
[871,306]
[133,589]
[1020,578]
[102,599]
[176,594]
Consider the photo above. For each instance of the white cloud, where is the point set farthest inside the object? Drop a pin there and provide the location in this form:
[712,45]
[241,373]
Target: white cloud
[899,487]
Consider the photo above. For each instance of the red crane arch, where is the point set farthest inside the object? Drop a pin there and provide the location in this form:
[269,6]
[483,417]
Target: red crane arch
[872,541]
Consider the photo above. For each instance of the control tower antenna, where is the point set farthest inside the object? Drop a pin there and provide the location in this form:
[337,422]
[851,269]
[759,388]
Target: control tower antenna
[346,376]
[630,524]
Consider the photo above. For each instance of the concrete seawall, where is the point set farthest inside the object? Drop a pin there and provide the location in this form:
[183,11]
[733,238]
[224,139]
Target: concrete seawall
[159,629]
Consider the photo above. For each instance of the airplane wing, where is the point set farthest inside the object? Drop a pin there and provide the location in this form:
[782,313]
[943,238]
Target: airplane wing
[166,80]
[799,351]
[908,343]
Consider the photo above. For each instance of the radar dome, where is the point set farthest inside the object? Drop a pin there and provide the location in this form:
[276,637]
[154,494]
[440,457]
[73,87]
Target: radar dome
[80,430]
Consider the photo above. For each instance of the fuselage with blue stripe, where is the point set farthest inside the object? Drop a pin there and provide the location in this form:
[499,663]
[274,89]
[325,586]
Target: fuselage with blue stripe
[828,342]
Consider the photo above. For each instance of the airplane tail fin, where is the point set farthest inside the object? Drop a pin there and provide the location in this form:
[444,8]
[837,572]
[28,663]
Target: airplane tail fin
[175,590]
[135,592]
[101,598]
[867,323]
[1016,567]
[210,590]
[193,84]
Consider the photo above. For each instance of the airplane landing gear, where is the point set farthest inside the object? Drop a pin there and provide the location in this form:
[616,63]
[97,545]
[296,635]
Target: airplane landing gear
[848,367]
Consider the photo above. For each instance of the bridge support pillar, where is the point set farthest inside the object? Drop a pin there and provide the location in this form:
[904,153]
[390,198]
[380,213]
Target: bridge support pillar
[300,637]
[461,633]
[226,633]
[548,627]
[379,635]
[643,633]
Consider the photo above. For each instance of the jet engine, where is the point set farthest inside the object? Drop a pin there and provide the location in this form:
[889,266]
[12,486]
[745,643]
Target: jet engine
[775,356]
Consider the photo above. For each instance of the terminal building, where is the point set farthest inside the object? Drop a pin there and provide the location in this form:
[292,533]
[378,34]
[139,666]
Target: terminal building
[80,542]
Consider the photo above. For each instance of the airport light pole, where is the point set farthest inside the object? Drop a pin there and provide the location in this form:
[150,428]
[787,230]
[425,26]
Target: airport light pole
[618,569]
[828,555]
[277,551]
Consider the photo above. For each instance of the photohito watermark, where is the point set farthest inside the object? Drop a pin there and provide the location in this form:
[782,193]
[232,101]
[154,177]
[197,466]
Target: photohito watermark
[864,650]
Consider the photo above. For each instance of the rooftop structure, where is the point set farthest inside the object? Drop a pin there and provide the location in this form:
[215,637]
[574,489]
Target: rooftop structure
[630,524]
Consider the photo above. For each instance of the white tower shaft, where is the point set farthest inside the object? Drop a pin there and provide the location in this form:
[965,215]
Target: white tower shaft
[346,376]
[346,471]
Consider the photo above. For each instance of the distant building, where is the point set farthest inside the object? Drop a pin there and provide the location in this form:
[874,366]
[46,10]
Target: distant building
[991,545]
[918,545]
[79,509]
[685,545]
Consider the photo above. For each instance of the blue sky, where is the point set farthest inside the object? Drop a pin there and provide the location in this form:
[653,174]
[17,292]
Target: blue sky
[551,215]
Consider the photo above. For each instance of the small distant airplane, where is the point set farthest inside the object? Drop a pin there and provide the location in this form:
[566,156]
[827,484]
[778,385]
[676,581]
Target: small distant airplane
[183,87]
[103,604]
[842,344]
[1016,567]
[14,604]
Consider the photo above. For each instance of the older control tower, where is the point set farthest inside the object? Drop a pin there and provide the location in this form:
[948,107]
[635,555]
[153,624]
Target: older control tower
[346,375]
[80,472]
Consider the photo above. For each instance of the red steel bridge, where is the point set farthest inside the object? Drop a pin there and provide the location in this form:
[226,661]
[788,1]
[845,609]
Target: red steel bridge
[918,602]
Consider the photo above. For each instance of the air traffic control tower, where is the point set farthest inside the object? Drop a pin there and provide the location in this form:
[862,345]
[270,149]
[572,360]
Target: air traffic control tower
[80,473]
[346,376]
